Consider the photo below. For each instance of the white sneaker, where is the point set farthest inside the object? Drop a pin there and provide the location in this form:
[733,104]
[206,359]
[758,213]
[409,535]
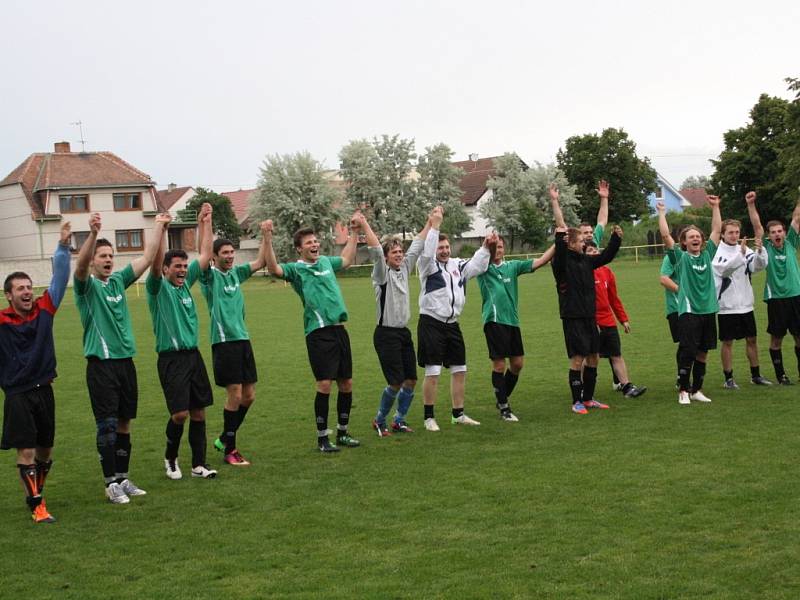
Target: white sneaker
[431,424]
[683,398]
[116,495]
[509,417]
[203,471]
[617,387]
[464,420]
[131,489]
[172,468]
[699,396]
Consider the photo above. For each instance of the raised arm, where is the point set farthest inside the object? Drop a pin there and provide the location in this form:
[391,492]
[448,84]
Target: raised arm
[560,255]
[796,217]
[427,258]
[349,251]
[603,190]
[87,250]
[752,212]
[663,226]
[271,262]
[141,264]
[372,239]
[205,235]
[610,251]
[158,259]
[261,260]
[480,260]
[716,219]
[558,216]
[58,283]
[544,258]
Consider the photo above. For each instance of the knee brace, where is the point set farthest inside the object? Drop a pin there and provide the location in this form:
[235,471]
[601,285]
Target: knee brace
[107,432]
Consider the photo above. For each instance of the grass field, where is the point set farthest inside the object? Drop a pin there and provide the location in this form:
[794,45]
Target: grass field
[647,500]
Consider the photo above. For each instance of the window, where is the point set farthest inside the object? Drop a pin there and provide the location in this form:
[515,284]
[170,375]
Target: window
[78,239]
[70,203]
[128,201]
[659,193]
[175,237]
[129,239]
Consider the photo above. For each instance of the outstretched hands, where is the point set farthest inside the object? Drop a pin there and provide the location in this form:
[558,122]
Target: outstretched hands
[490,240]
[553,191]
[95,223]
[436,217]
[66,233]
[603,189]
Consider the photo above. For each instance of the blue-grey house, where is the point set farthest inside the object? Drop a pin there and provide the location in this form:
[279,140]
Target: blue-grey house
[668,194]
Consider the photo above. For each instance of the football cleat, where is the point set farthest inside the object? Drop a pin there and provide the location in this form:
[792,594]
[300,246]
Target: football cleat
[346,440]
[401,427]
[40,514]
[431,424]
[579,408]
[683,398]
[381,429]
[235,459]
[116,495]
[131,489]
[172,469]
[204,471]
[699,396]
[463,419]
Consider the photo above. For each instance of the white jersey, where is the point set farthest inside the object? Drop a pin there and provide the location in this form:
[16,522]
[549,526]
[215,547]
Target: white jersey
[444,285]
[732,272]
[391,286]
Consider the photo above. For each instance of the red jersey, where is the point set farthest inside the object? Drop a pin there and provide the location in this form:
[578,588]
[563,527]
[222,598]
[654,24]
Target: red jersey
[606,298]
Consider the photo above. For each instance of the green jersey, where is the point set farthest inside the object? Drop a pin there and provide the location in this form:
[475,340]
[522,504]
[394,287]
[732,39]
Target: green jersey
[597,235]
[670,297]
[783,274]
[173,312]
[225,301]
[696,290]
[103,306]
[319,291]
[499,291]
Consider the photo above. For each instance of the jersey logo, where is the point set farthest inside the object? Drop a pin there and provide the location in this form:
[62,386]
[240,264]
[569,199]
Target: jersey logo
[321,273]
[699,268]
[186,301]
[780,257]
[231,288]
[114,299]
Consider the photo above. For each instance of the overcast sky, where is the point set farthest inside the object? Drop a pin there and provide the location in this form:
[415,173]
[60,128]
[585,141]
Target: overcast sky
[198,93]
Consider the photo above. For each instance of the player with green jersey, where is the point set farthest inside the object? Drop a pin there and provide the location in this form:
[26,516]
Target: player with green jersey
[181,369]
[697,298]
[782,289]
[500,312]
[313,278]
[109,347]
[232,354]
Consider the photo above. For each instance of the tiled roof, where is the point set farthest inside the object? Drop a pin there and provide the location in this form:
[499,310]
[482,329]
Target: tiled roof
[476,174]
[695,196]
[166,198]
[56,170]
[240,202]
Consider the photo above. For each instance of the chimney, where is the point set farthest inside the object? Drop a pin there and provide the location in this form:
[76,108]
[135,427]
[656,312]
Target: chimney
[171,187]
[62,147]
[474,157]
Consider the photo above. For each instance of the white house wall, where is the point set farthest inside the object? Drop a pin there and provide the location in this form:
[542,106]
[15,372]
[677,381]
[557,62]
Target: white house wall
[18,231]
[479,226]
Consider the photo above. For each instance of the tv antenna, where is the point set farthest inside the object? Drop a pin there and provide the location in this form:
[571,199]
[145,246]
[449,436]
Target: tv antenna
[80,127]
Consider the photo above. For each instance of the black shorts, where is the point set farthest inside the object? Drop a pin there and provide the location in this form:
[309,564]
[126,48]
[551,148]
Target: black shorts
[329,353]
[674,331]
[503,341]
[783,314]
[737,327]
[439,343]
[581,337]
[112,387]
[698,333]
[184,380]
[234,363]
[610,344]
[29,419]
[395,350]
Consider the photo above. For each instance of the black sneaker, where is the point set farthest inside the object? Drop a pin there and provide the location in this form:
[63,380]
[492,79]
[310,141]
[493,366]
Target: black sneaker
[635,392]
[325,446]
[760,380]
[784,380]
[346,440]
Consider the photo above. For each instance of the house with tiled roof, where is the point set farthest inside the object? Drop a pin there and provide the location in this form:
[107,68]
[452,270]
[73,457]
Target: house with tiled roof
[695,196]
[668,194]
[50,187]
[477,172]
[182,230]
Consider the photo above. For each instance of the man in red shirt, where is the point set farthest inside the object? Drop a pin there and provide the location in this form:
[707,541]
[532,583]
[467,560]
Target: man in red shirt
[608,306]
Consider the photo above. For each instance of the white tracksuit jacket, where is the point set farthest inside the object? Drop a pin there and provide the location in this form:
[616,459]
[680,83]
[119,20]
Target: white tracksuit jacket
[732,272]
[443,285]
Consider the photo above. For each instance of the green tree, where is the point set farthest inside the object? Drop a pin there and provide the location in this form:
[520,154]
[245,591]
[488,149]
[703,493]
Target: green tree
[696,181]
[438,185]
[586,159]
[295,191]
[519,206]
[222,215]
[378,178]
[757,157]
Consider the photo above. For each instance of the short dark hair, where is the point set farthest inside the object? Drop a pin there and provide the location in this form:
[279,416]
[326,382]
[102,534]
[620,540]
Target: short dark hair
[174,254]
[12,277]
[102,242]
[589,244]
[585,224]
[773,223]
[219,243]
[298,236]
[443,237]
